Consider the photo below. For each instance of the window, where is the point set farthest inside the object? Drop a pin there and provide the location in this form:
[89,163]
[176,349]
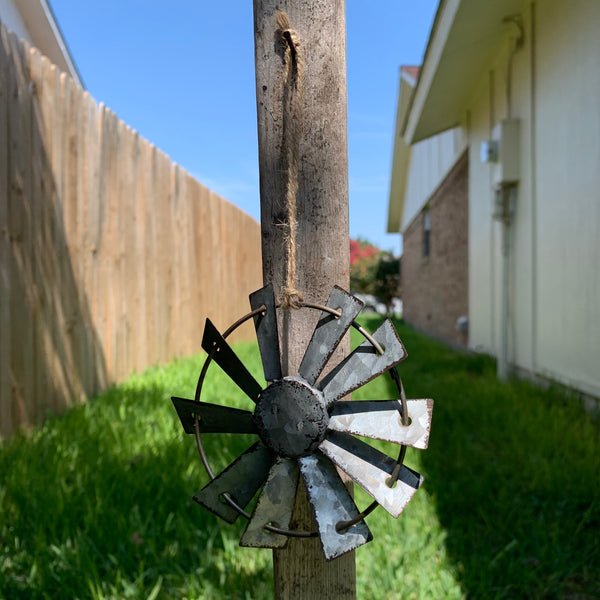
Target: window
[426,232]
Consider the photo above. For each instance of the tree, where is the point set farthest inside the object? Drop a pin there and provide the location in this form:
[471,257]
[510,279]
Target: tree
[373,271]
[363,265]
[386,283]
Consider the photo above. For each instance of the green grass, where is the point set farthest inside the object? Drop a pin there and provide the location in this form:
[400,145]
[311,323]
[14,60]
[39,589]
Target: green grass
[96,503]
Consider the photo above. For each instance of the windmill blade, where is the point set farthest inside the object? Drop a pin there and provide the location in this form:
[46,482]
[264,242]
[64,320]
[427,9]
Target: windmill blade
[371,469]
[212,417]
[265,324]
[274,507]
[381,420]
[241,480]
[213,342]
[328,333]
[331,504]
[363,364]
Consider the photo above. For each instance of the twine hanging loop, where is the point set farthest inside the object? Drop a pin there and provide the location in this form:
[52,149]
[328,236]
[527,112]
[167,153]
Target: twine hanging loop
[292,103]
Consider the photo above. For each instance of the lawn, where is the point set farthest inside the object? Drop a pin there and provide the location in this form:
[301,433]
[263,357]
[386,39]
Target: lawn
[97,503]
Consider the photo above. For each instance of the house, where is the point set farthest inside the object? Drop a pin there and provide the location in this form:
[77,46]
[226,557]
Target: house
[34,21]
[429,187]
[497,157]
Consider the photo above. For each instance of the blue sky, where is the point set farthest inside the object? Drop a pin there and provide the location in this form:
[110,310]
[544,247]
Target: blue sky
[182,74]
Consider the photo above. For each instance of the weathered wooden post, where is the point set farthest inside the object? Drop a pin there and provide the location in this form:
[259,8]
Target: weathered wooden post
[321,239]
[305,426]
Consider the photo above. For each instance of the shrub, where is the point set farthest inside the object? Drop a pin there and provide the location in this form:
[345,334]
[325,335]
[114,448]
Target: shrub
[373,271]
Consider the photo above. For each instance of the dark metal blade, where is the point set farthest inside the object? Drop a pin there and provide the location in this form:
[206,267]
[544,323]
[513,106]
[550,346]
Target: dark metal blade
[328,333]
[363,364]
[380,419]
[212,417]
[213,342]
[266,331]
[274,507]
[331,504]
[371,469]
[241,480]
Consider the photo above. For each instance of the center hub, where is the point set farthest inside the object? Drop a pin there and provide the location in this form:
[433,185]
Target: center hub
[291,417]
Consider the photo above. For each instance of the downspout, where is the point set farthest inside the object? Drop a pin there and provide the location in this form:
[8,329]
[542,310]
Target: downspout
[506,197]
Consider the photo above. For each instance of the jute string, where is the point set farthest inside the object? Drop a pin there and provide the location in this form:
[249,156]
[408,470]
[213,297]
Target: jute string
[292,104]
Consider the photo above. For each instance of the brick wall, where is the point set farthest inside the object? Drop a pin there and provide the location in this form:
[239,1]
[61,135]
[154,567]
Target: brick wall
[435,287]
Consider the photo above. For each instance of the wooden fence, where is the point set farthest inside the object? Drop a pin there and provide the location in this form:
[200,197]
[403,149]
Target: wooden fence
[111,256]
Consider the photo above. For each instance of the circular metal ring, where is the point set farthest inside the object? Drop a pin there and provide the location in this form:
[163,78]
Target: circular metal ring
[343,525]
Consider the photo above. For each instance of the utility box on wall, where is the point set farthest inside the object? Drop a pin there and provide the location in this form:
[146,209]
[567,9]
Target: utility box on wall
[505,169]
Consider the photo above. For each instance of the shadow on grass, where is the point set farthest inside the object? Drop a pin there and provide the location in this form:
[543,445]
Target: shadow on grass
[98,504]
[514,472]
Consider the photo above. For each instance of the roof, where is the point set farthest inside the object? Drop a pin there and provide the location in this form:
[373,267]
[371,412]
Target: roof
[408,79]
[410,72]
[36,22]
[464,36]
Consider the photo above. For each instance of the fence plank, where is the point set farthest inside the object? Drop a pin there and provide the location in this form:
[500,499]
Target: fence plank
[130,303]
[81,201]
[71,274]
[6,417]
[38,247]
[164,258]
[19,180]
[96,217]
[86,197]
[196,265]
[184,241]
[174,325]
[140,311]
[47,319]
[150,256]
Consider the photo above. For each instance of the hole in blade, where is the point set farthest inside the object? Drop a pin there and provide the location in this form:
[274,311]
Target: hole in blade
[391,482]
[409,421]
[273,524]
[223,498]
[342,527]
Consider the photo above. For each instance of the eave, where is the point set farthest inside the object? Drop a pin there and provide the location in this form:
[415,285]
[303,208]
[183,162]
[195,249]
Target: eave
[464,37]
[46,35]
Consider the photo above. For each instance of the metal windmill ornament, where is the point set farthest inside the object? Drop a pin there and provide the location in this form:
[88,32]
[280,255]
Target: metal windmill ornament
[306,430]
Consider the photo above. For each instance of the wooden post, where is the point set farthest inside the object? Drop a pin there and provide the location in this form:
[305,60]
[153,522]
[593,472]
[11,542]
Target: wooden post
[322,248]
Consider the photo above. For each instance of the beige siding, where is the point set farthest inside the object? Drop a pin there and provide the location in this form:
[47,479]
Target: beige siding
[554,281]
[430,162]
[481,230]
[568,190]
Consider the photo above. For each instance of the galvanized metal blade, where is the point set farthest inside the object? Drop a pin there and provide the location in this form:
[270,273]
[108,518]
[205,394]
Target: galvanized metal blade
[380,419]
[328,333]
[212,417]
[241,480]
[363,364]
[213,342]
[274,507]
[371,469]
[331,505]
[265,324]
